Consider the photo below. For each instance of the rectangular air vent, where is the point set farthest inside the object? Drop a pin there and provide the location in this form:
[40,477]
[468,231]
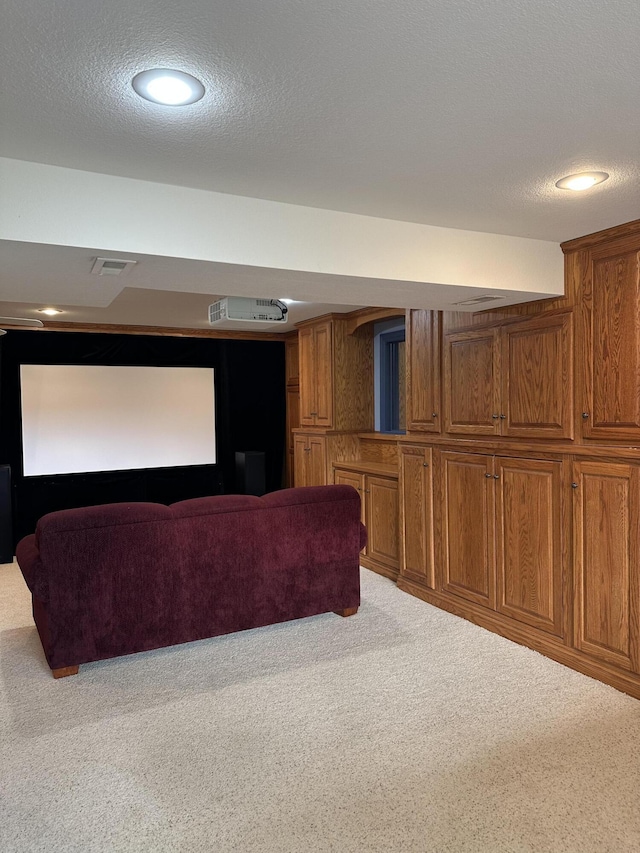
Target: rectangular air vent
[111,266]
[478,300]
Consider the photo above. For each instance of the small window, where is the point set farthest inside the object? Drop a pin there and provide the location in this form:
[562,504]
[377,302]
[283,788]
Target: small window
[391,380]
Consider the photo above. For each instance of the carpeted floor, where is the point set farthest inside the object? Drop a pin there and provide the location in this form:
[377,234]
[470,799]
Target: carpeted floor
[400,729]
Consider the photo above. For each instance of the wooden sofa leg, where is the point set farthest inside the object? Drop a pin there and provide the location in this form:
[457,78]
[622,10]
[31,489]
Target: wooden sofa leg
[64,671]
[348,611]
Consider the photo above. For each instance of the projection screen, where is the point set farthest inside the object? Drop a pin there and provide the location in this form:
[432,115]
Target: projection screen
[82,418]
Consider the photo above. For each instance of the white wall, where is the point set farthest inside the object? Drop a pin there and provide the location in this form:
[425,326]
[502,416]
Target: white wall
[53,205]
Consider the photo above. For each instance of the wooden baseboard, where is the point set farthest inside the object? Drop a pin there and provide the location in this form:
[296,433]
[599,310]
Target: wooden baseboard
[546,644]
[379,568]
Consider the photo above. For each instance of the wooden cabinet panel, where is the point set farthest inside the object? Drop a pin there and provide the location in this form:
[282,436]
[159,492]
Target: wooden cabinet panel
[607,576]
[467,527]
[416,513]
[382,519]
[537,367]
[292,361]
[423,373]
[309,460]
[472,382]
[307,376]
[323,375]
[612,345]
[353,478]
[292,422]
[529,542]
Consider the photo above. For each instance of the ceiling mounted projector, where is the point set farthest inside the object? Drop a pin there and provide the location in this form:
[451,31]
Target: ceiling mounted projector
[245,310]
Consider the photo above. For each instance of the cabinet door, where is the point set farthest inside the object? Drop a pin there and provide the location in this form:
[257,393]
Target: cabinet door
[381,502]
[472,382]
[317,461]
[607,576]
[416,513]
[467,527]
[307,376]
[537,370]
[611,330]
[323,374]
[293,421]
[529,541]
[300,464]
[423,370]
[355,479]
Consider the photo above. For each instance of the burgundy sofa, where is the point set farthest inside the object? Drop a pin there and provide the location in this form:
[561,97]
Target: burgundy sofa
[121,578]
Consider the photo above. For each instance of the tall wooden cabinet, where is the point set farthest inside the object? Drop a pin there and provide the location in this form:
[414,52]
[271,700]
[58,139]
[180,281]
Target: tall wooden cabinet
[336,375]
[423,346]
[606,562]
[610,344]
[416,513]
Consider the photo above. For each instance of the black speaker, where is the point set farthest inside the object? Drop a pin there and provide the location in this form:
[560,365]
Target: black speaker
[250,472]
[6,537]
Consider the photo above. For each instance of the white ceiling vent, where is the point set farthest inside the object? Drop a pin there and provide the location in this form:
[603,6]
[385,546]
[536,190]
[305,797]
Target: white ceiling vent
[478,300]
[111,266]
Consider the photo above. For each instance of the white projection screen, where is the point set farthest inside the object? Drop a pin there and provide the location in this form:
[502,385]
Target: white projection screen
[82,418]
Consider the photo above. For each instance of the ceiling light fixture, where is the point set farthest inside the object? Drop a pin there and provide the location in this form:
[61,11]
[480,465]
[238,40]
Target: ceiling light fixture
[51,312]
[168,87]
[581,181]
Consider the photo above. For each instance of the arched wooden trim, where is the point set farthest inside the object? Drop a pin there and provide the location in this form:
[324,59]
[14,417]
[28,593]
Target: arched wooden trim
[371,315]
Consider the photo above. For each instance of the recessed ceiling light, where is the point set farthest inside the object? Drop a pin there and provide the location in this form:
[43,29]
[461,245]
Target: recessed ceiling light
[168,87]
[581,181]
[51,312]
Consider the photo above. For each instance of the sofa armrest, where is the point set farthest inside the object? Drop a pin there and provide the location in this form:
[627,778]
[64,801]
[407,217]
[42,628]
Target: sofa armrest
[28,557]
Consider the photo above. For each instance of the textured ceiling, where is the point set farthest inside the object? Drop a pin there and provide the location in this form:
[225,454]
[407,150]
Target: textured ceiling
[459,113]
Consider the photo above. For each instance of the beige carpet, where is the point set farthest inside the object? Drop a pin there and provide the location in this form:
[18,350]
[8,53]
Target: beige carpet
[400,729]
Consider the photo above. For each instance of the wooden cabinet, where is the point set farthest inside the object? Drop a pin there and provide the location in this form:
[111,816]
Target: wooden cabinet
[537,378]
[606,562]
[336,375]
[378,486]
[416,514]
[292,421]
[355,479]
[515,380]
[529,540]
[502,536]
[610,344]
[316,377]
[309,460]
[467,527]
[423,340]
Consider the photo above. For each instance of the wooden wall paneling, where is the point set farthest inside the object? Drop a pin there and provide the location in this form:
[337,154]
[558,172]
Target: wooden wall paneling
[378,450]
[467,526]
[353,377]
[472,382]
[423,382]
[537,378]
[529,542]
[606,565]
[416,515]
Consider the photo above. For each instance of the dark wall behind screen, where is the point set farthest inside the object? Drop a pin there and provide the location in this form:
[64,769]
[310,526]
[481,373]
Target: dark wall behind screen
[250,415]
